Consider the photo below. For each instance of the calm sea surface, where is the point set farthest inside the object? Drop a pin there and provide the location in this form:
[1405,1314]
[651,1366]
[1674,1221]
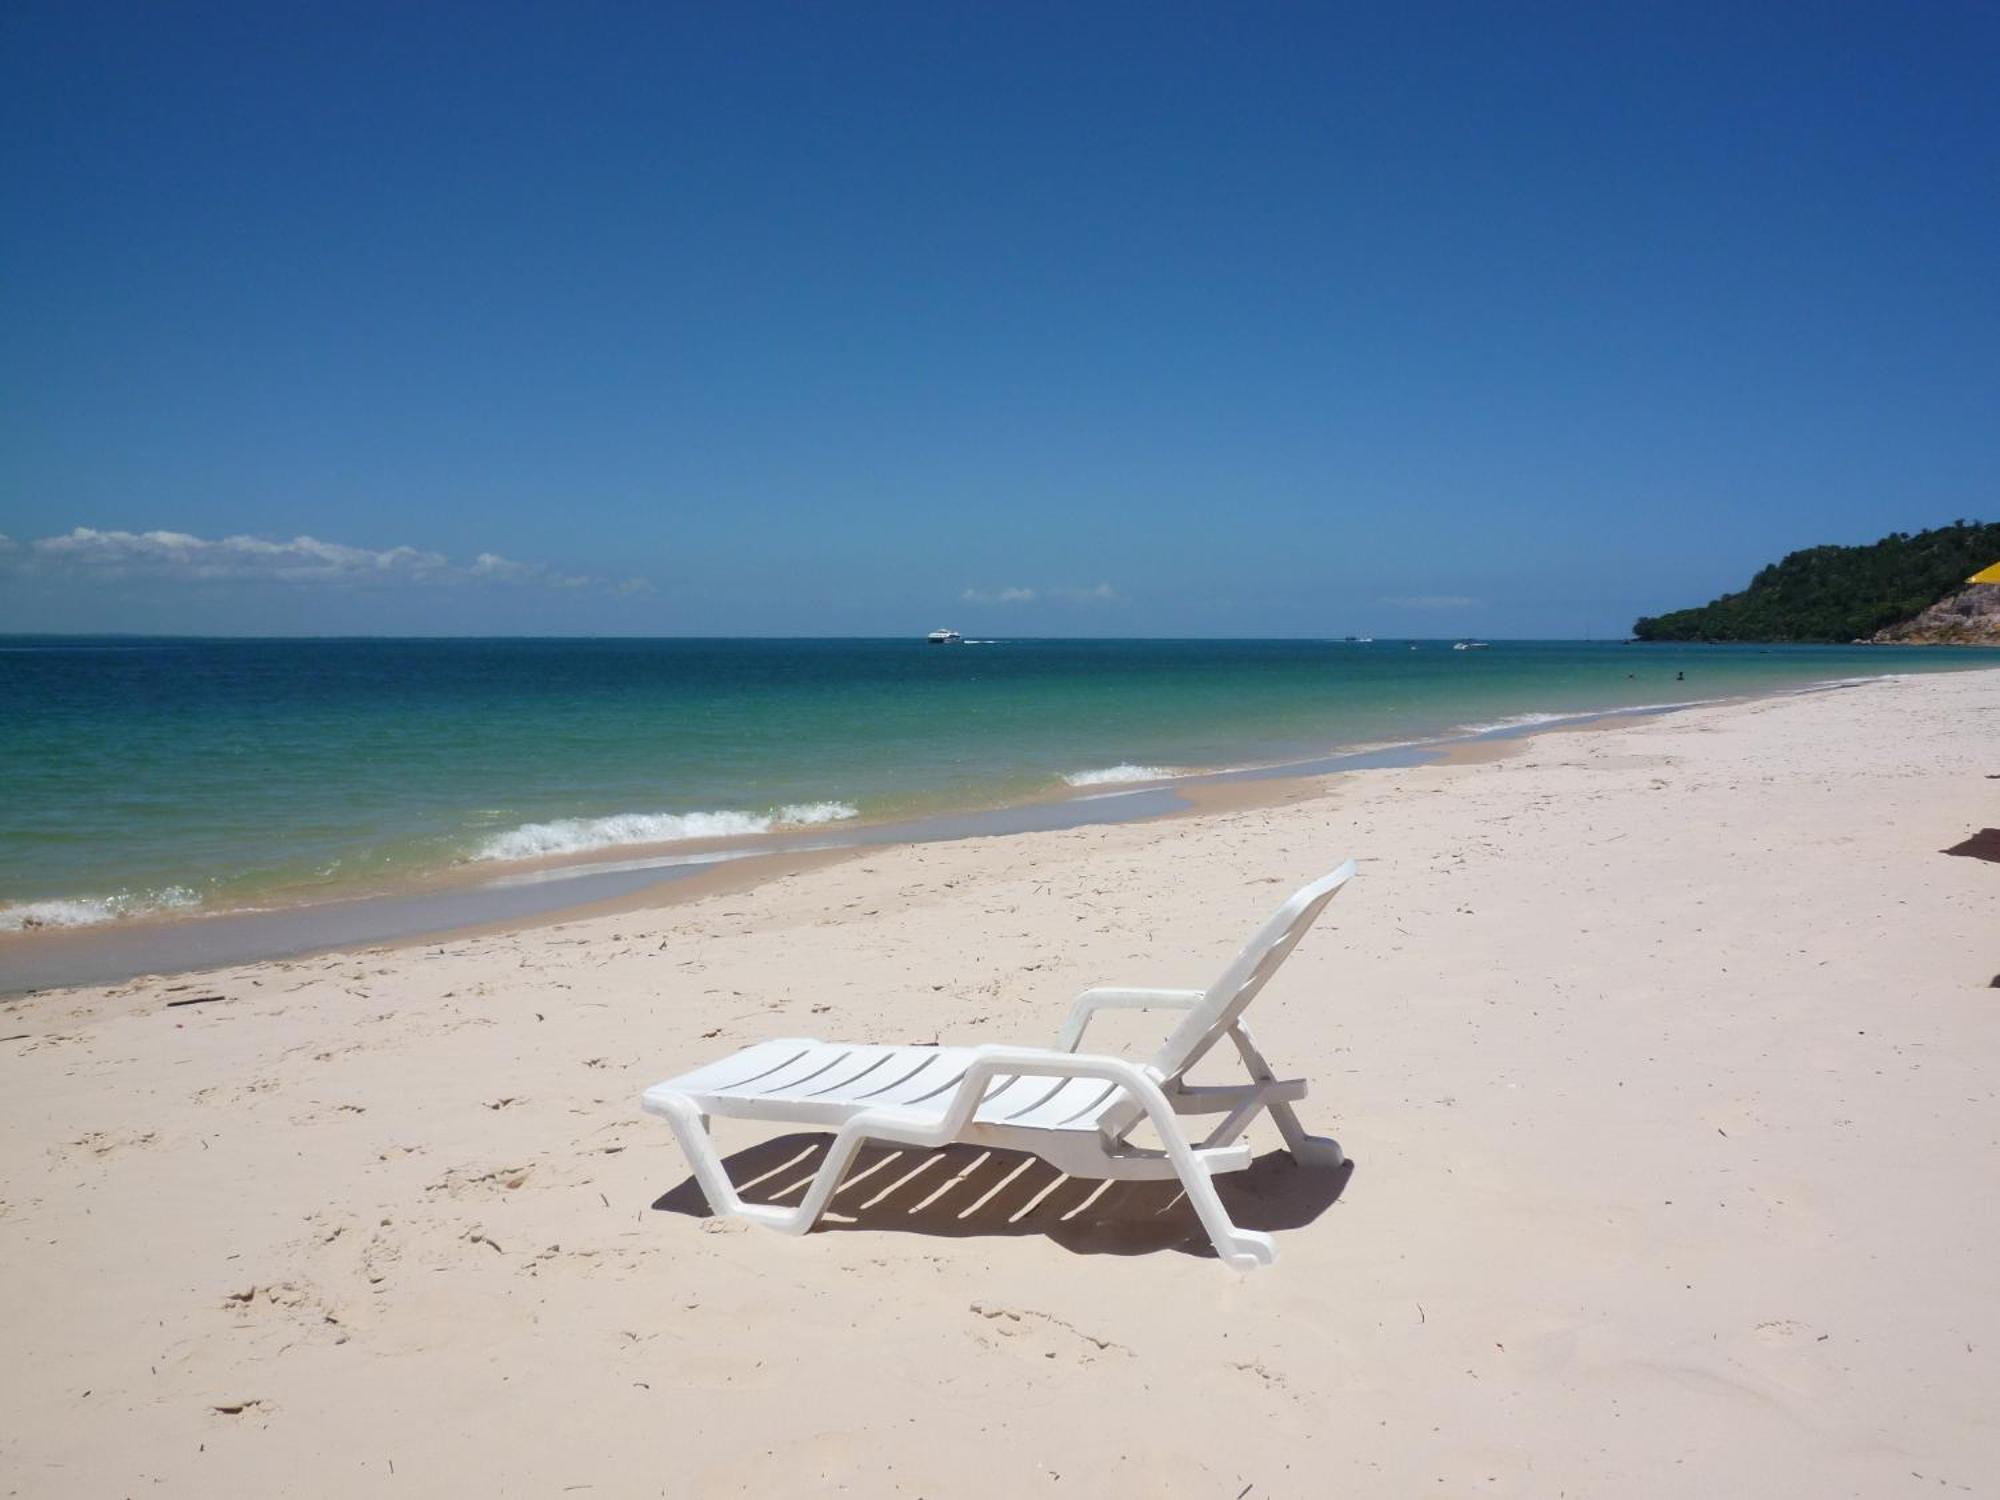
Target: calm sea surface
[157,774]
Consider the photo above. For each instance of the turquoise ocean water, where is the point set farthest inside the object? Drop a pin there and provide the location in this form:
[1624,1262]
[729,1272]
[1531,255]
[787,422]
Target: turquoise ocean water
[150,775]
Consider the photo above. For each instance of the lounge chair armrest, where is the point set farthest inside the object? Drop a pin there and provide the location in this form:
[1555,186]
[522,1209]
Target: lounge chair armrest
[1117,997]
[1140,1082]
[1054,1062]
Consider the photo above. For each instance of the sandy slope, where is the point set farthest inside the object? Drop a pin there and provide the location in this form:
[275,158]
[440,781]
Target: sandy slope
[1665,1053]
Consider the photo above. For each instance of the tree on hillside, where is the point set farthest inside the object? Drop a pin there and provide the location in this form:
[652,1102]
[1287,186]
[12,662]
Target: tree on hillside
[1833,594]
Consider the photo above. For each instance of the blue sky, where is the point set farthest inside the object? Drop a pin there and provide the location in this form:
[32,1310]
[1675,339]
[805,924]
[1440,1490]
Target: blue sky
[1104,319]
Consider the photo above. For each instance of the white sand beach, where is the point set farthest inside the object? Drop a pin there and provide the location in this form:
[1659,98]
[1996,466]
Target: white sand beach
[1666,1053]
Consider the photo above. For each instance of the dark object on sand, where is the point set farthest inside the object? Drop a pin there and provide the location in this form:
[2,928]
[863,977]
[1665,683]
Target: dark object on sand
[205,999]
[1984,844]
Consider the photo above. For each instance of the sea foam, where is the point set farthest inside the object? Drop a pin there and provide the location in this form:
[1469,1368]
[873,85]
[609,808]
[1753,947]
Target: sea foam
[1622,711]
[576,835]
[1517,721]
[88,911]
[1127,772]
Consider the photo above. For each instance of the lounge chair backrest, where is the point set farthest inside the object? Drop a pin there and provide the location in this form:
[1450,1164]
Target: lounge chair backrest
[1207,1023]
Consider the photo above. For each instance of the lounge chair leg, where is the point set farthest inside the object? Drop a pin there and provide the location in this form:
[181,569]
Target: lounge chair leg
[826,1181]
[690,1128]
[1307,1150]
[1240,1249]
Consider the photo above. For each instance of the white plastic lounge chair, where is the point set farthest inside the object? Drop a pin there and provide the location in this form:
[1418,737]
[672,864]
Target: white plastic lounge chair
[1072,1109]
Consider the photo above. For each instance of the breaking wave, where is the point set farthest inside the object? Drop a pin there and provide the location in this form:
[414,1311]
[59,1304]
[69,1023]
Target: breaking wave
[1108,774]
[88,911]
[576,835]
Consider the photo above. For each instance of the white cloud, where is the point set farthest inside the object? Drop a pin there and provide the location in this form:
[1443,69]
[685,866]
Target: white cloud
[493,565]
[1102,593]
[178,556]
[1434,601]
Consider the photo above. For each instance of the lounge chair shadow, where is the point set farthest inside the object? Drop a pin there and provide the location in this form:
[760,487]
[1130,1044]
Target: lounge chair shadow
[962,1190]
[1984,844]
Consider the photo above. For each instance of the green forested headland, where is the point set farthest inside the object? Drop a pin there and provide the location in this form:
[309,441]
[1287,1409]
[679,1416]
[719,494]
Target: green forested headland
[1838,593]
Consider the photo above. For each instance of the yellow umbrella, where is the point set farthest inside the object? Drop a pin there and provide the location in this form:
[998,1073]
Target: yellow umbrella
[1986,575]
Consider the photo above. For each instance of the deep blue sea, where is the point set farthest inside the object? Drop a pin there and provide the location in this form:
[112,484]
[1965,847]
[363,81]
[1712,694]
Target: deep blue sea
[148,775]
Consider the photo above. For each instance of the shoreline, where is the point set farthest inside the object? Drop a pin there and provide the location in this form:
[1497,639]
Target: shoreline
[1663,1051]
[465,899]
[219,840]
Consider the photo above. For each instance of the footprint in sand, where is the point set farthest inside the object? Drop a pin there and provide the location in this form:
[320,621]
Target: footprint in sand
[299,1307]
[1041,1335]
[466,1182]
[106,1142]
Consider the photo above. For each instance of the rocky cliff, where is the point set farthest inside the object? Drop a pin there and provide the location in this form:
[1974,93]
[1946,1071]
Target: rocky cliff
[1970,617]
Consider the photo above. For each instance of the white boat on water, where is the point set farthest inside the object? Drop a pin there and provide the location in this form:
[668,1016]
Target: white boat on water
[1473,646]
[945,638]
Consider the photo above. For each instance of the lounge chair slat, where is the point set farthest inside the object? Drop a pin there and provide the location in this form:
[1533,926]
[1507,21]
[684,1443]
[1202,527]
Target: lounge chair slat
[1039,1100]
[748,1055]
[926,1056]
[790,1084]
[932,1094]
[1090,1108]
[853,1077]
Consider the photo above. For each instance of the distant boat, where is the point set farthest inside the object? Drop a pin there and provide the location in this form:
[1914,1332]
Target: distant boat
[1359,640]
[945,638]
[1472,646]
